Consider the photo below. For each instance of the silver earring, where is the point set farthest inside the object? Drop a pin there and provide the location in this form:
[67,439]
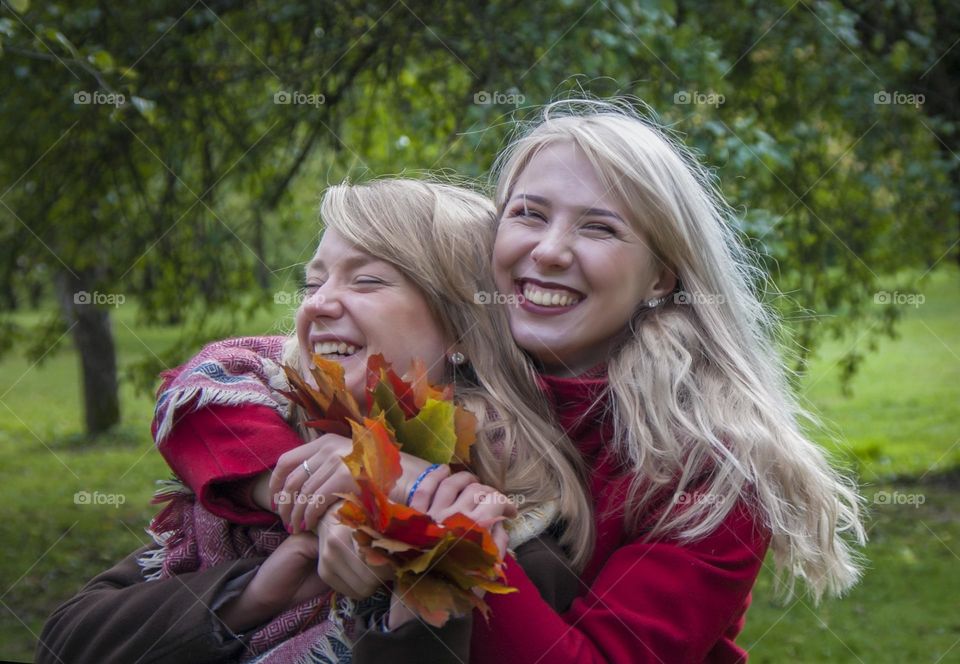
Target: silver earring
[457,358]
[655,302]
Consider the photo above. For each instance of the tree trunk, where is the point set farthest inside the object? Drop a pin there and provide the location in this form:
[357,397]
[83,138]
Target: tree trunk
[93,337]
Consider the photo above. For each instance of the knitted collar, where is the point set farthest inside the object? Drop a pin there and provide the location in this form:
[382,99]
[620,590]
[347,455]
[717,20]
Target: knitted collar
[580,404]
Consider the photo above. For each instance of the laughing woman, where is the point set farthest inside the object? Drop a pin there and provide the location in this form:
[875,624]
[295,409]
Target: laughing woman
[400,270]
[636,300]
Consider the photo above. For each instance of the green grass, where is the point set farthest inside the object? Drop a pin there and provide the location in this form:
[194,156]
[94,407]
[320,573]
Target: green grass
[904,415]
[903,419]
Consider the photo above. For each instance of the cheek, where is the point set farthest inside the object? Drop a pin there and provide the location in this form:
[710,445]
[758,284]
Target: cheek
[507,251]
[301,325]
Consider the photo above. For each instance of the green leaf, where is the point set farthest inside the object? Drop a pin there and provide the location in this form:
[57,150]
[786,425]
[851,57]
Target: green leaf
[19,6]
[102,61]
[431,434]
[386,400]
[147,107]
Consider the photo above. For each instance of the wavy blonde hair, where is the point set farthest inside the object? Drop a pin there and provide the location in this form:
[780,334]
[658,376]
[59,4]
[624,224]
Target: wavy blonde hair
[699,394]
[441,237]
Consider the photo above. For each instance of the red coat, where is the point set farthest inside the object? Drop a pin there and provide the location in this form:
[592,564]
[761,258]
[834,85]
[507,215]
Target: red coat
[640,602]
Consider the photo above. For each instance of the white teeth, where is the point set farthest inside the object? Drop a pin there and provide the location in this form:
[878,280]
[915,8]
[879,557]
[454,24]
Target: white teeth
[334,348]
[548,298]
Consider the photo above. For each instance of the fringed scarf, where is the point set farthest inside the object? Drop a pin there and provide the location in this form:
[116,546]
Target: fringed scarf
[237,372]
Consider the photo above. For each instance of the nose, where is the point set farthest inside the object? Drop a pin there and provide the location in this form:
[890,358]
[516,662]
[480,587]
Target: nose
[324,302]
[553,250]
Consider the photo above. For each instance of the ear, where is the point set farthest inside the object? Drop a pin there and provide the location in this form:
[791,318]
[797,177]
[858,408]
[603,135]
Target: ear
[665,284]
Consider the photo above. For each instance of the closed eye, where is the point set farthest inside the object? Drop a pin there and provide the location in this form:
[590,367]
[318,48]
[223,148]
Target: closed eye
[600,227]
[524,212]
[369,281]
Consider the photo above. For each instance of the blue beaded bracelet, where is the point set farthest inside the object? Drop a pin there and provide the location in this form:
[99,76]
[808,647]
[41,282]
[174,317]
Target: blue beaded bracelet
[416,484]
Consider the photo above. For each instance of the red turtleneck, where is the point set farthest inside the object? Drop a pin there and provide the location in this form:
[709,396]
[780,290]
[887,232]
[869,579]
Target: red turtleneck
[640,601]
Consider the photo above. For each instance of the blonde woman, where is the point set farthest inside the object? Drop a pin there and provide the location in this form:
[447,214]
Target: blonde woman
[636,300]
[401,270]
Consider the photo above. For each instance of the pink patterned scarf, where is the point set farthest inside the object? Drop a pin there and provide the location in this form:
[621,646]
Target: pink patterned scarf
[235,372]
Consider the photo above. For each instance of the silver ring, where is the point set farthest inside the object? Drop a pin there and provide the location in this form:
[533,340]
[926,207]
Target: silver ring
[307,468]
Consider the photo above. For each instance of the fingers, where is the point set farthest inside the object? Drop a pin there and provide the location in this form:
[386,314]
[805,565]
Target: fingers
[324,497]
[291,463]
[471,498]
[302,491]
[428,485]
[314,491]
[448,491]
[341,566]
[501,538]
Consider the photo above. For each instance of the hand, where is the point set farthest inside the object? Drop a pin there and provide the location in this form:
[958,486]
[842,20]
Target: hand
[287,577]
[301,498]
[340,564]
[464,493]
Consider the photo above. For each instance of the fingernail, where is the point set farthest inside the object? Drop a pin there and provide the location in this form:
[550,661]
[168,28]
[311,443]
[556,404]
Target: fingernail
[289,528]
[273,504]
[303,525]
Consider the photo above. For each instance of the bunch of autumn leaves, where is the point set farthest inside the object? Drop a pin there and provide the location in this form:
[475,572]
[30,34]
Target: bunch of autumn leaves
[436,566]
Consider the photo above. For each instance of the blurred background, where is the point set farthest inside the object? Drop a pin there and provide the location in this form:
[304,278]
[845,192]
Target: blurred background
[161,164]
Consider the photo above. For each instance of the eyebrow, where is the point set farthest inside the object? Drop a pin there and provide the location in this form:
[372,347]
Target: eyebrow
[349,263]
[586,212]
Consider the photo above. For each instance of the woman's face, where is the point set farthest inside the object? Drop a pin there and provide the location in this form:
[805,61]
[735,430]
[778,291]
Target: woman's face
[356,306]
[564,244]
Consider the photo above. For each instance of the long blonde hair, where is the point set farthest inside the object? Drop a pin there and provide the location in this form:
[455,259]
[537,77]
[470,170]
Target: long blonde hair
[441,237]
[698,392]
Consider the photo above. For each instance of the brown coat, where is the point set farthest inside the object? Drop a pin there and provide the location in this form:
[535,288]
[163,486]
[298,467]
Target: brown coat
[118,617]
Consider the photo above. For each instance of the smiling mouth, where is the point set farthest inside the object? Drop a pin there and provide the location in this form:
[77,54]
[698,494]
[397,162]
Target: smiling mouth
[544,295]
[334,350]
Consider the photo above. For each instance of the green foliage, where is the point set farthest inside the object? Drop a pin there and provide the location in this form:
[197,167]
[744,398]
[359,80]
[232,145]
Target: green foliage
[201,187]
